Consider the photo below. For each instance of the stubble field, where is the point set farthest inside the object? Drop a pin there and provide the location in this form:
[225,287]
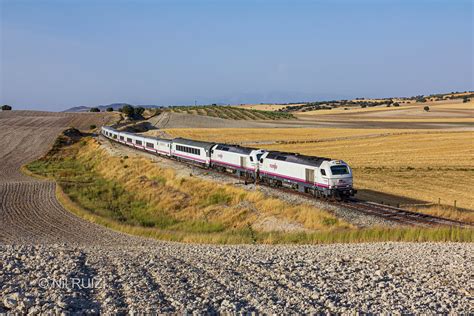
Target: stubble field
[393,166]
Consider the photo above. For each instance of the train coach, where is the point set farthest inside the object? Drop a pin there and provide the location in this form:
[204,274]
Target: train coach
[152,144]
[192,151]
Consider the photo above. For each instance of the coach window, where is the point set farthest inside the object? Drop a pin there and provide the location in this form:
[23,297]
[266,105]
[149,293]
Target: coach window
[150,145]
[323,172]
[121,137]
[138,142]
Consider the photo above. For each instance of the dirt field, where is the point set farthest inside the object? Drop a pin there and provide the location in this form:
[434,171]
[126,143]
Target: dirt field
[28,207]
[181,120]
[440,111]
[263,107]
[254,136]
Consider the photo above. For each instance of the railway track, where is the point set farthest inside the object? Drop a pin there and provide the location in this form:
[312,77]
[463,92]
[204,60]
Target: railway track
[387,212]
[399,215]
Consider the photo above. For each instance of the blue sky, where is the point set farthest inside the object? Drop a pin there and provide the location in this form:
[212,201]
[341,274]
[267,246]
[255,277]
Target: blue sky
[58,54]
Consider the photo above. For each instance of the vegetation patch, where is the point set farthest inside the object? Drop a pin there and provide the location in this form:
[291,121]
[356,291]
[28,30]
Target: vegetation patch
[232,112]
[134,192]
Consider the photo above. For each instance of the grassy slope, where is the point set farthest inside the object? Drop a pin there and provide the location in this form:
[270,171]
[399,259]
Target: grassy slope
[233,113]
[136,192]
[423,165]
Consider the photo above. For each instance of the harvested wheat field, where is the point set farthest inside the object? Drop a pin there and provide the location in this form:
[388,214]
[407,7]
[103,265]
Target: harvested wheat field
[280,135]
[449,111]
[263,107]
[41,243]
[417,166]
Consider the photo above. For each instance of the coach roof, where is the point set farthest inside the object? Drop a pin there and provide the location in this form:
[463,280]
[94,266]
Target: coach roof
[146,137]
[195,143]
[297,158]
[235,149]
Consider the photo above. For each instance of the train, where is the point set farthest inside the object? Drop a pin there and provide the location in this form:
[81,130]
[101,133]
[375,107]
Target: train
[319,176]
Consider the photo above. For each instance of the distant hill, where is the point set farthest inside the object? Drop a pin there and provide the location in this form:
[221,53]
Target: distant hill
[78,109]
[115,106]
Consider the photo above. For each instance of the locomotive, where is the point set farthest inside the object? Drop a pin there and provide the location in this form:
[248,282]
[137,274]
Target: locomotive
[318,176]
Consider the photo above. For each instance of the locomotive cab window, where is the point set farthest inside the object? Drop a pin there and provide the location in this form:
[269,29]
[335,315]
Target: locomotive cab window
[339,170]
[323,172]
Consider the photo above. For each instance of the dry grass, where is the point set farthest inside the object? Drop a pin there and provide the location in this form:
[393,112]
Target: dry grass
[190,198]
[351,110]
[136,191]
[423,166]
[249,135]
[440,111]
[263,107]
[445,211]
[239,237]
[455,104]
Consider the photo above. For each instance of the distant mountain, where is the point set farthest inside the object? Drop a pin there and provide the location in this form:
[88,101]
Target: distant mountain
[78,109]
[115,106]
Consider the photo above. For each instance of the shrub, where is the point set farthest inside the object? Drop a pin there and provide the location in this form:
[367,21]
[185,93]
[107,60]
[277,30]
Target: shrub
[94,110]
[465,100]
[426,108]
[139,110]
[110,109]
[92,126]
[127,110]
[396,104]
[6,107]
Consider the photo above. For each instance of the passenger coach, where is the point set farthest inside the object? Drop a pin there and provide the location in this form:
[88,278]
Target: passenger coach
[192,151]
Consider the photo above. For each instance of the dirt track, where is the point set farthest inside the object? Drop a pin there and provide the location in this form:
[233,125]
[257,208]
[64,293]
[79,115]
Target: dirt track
[42,242]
